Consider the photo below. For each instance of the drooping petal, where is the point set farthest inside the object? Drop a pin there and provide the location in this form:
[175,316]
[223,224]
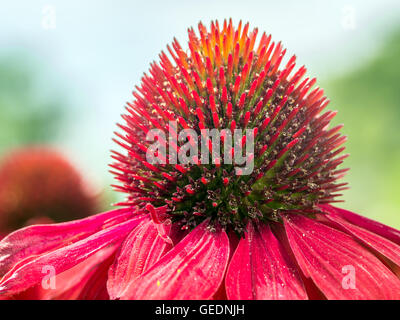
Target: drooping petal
[25,244]
[261,269]
[363,222]
[25,275]
[385,247]
[312,290]
[95,288]
[141,249]
[193,269]
[68,284]
[339,266]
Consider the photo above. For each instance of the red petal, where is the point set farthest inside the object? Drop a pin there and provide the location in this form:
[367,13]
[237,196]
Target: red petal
[141,249]
[322,252]
[371,225]
[70,283]
[261,269]
[385,247]
[29,273]
[25,244]
[194,269]
[95,287]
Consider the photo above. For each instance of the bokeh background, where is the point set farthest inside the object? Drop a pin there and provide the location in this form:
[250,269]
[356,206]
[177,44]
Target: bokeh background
[68,67]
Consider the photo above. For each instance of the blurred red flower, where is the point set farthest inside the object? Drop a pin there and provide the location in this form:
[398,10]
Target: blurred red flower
[39,185]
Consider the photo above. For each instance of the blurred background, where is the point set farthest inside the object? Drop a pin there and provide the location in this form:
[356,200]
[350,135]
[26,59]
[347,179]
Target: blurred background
[67,69]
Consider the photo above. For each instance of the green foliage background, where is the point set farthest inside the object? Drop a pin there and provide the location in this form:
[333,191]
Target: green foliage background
[368,101]
[28,114]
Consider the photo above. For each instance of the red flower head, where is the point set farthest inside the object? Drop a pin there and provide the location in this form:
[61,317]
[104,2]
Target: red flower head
[200,228]
[37,184]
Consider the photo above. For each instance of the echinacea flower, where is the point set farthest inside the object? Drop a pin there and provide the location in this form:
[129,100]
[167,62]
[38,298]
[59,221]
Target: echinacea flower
[203,231]
[38,185]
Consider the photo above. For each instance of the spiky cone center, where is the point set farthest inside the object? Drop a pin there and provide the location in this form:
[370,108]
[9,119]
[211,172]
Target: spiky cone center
[225,80]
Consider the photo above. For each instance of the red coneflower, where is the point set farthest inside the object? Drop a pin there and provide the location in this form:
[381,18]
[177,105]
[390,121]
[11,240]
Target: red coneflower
[201,231]
[38,185]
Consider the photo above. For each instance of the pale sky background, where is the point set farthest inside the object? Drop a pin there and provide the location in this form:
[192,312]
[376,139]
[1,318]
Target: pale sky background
[96,51]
